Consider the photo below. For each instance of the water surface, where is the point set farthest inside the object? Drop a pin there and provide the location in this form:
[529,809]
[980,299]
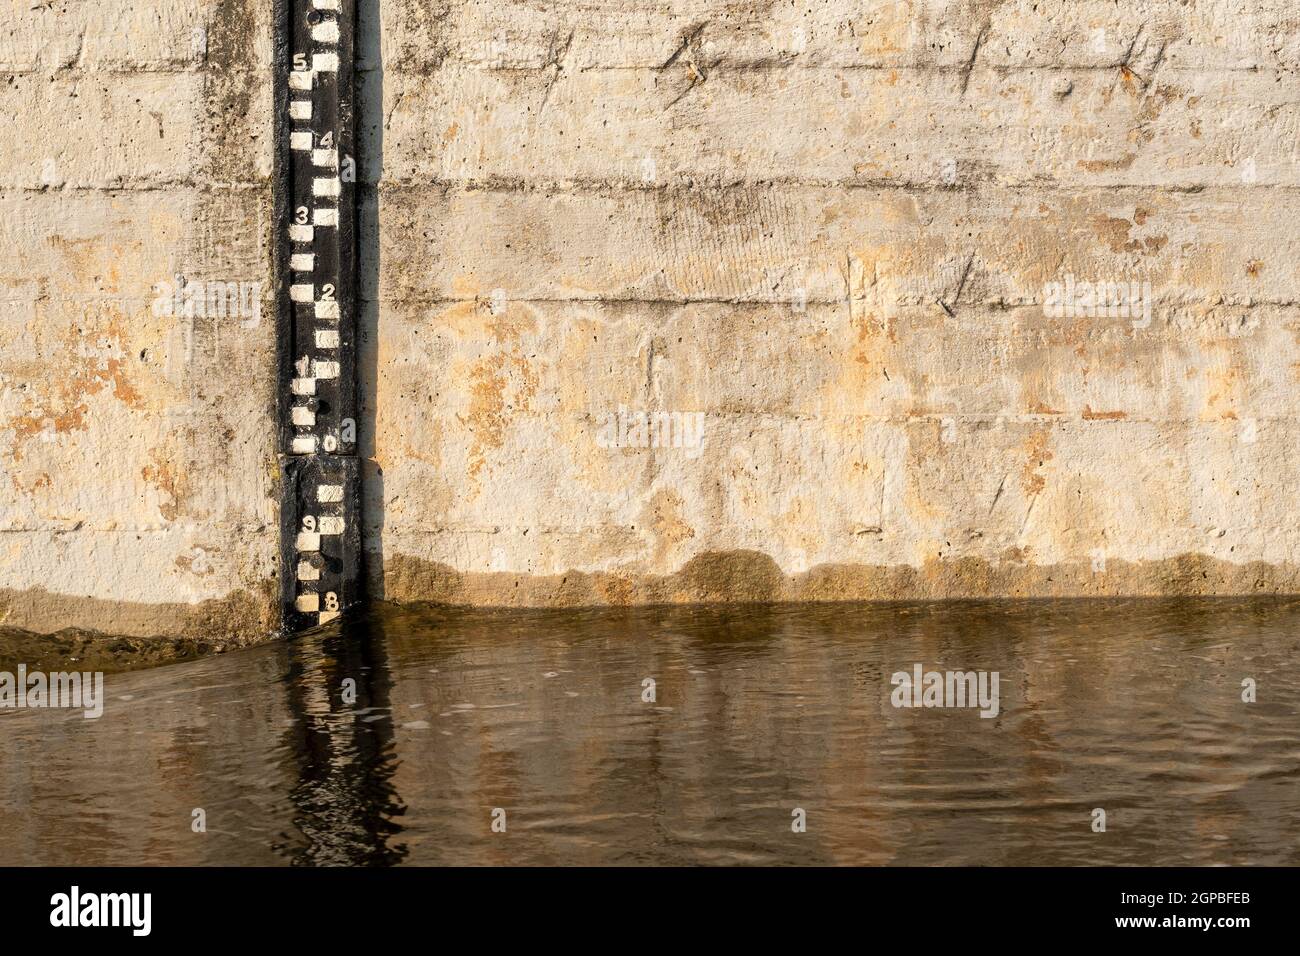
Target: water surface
[1130,706]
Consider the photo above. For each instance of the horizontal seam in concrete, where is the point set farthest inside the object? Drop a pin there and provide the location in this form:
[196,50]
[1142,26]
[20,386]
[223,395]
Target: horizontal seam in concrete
[917,303]
[937,417]
[155,529]
[187,186]
[722,67]
[182,187]
[792,64]
[701,184]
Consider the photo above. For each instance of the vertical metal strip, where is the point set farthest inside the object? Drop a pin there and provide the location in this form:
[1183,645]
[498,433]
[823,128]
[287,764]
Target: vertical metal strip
[320,474]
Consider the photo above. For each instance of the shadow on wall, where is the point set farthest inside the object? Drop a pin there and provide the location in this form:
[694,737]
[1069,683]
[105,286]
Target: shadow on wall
[370,164]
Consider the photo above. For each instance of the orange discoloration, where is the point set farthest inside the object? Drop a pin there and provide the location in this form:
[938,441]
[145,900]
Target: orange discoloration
[663,515]
[162,474]
[1225,383]
[1107,165]
[465,287]
[491,405]
[93,346]
[1090,416]
[63,405]
[1115,232]
[1039,455]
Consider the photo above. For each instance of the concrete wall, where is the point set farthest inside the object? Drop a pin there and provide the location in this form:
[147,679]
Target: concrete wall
[136,448]
[825,228]
[829,229]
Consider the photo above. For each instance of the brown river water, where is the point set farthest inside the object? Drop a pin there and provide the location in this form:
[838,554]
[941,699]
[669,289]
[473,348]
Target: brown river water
[542,721]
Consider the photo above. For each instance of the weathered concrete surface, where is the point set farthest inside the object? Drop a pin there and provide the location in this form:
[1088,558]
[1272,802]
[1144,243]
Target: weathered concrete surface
[137,447]
[826,228]
[829,228]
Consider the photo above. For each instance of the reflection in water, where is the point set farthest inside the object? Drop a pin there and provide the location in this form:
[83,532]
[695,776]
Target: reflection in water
[1131,706]
[344,796]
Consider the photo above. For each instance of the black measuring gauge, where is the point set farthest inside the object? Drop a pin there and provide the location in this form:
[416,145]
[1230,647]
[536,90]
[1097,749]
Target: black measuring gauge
[320,507]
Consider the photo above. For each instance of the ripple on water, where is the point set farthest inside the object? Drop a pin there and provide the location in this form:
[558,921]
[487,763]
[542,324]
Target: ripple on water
[1134,707]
